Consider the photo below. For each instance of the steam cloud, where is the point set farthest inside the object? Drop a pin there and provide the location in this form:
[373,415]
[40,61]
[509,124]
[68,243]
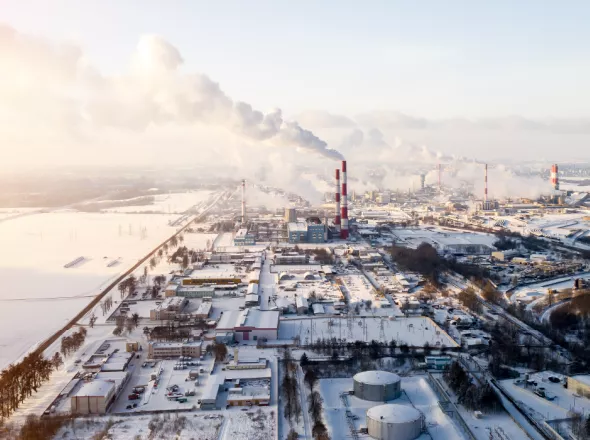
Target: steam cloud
[56,84]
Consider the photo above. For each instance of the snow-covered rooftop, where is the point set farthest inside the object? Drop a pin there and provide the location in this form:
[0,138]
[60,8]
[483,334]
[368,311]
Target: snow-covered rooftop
[392,413]
[95,388]
[377,377]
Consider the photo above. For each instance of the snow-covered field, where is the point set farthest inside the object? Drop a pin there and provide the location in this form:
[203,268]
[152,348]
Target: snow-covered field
[234,425]
[168,203]
[412,331]
[39,294]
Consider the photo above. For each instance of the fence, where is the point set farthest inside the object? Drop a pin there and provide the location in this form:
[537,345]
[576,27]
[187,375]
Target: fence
[448,407]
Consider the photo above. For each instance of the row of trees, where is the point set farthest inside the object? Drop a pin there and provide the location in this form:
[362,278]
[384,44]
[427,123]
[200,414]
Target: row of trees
[123,323]
[128,286]
[106,305]
[336,347]
[470,395]
[289,394]
[315,405]
[218,350]
[19,381]
[469,299]
[73,342]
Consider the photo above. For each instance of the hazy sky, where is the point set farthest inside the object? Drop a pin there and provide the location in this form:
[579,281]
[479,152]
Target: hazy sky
[502,77]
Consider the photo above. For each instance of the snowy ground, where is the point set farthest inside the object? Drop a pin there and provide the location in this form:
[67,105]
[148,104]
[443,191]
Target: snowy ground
[541,408]
[412,331]
[358,288]
[542,287]
[174,203]
[416,392]
[498,425]
[40,401]
[235,425]
[37,286]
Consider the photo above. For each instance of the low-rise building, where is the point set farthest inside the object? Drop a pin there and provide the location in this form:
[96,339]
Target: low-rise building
[301,304]
[169,308]
[204,310]
[132,346]
[250,324]
[171,290]
[162,350]
[93,397]
[437,362]
[248,396]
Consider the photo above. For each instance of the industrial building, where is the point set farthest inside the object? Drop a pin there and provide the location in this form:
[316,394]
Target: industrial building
[204,310]
[310,231]
[290,215]
[377,386]
[93,397]
[394,422]
[243,238]
[162,350]
[169,308]
[250,324]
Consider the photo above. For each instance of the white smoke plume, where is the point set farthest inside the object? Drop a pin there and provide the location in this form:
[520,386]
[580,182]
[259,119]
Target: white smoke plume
[43,84]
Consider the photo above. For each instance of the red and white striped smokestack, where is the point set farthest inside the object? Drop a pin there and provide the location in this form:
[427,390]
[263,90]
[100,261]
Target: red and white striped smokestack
[243,201]
[344,220]
[555,177]
[337,198]
[485,184]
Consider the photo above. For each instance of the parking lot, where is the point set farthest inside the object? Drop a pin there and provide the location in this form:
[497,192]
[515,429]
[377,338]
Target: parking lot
[155,398]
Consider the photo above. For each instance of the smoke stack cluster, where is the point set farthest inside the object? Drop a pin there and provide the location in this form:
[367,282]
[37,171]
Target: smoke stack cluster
[555,176]
[337,197]
[344,220]
[243,201]
[485,184]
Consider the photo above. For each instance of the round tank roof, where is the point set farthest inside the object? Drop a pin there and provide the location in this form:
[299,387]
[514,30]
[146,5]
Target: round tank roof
[393,413]
[376,377]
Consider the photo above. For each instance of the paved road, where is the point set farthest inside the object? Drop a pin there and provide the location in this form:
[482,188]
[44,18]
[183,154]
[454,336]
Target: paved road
[266,285]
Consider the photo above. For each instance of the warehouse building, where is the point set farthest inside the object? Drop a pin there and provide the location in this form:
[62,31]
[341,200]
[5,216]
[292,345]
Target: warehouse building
[204,310]
[93,397]
[250,324]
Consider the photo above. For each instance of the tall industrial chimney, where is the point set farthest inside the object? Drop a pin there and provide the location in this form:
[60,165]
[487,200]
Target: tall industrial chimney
[337,198]
[422,181]
[344,220]
[439,174]
[555,176]
[485,184]
[243,201]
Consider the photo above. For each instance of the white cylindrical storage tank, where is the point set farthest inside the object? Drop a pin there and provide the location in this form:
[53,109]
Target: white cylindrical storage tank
[377,386]
[394,422]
